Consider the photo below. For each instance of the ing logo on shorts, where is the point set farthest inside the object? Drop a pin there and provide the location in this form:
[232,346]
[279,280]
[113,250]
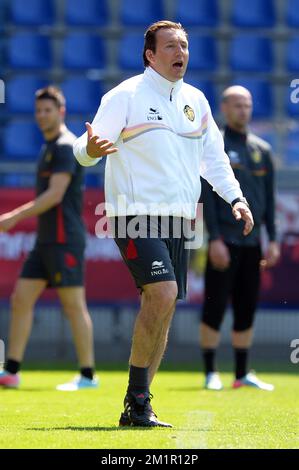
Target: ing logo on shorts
[158,268]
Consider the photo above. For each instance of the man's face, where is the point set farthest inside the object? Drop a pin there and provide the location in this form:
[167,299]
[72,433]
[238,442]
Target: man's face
[47,114]
[171,57]
[237,110]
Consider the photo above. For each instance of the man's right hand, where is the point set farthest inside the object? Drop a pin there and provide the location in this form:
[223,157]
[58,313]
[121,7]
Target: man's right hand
[219,255]
[97,148]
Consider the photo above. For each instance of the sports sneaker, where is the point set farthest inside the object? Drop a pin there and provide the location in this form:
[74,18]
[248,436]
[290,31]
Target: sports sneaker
[78,383]
[9,380]
[138,411]
[213,381]
[251,380]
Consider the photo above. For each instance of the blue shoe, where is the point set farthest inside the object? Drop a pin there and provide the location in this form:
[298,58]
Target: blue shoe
[78,383]
[251,380]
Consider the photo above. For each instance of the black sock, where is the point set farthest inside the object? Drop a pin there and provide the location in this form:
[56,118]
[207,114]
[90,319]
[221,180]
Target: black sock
[12,366]
[209,360]
[241,360]
[87,372]
[138,379]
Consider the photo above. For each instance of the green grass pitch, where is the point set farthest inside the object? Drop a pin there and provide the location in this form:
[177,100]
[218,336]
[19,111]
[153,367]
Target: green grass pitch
[38,416]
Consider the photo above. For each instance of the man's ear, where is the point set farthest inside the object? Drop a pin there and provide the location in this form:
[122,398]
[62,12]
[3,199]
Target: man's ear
[149,55]
[62,112]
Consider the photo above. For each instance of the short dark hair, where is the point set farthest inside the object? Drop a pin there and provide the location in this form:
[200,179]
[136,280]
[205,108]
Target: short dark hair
[51,93]
[150,35]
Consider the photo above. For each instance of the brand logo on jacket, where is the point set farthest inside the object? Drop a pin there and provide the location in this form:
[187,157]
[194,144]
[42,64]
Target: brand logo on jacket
[154,115]
[189,112]
[233,156]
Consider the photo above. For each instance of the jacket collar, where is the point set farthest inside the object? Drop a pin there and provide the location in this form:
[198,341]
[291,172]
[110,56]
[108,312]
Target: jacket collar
[161,84]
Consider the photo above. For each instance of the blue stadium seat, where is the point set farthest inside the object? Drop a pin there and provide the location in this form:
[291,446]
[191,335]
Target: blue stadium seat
[84,51]
[203,53]
[292,54]
[2,14]
[20,93]
[130,52]
[145,12]
[253,14]
[76,126]
[32,12]
[82,95]
[292,100]
[292,13]
[29,51]
[22,140]
[18,180]
[262,95]
[197,12]
[206,86]
[91,13]
[291,150]
[92,180]
[250,53]
[267,131]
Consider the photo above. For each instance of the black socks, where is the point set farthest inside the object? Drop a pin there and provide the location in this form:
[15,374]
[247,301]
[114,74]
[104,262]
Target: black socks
[87,372]
[241,360]
[138,379]
[12,366]
[209,360]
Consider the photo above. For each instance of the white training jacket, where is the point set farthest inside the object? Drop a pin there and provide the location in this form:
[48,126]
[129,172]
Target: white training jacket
[166,138]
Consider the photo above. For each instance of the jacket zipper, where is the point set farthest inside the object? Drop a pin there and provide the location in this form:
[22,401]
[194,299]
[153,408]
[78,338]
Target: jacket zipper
[170,97]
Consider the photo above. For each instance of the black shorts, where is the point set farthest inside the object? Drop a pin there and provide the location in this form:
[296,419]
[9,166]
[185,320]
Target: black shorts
[60,265]
[240,282]
[155,256]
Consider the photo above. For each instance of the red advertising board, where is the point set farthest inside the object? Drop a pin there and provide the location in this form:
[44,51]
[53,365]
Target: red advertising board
[107,277]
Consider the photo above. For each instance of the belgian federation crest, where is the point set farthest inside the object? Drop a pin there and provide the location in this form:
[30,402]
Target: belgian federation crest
[189,112]
[48,157]
[256,156]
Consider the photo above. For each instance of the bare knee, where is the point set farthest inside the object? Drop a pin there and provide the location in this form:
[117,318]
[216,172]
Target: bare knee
[160,297]
[71,309]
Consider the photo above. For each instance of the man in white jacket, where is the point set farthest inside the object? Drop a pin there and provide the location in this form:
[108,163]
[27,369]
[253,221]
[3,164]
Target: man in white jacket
[160,137]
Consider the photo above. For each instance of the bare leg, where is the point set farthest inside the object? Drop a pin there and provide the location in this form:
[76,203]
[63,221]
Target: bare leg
[26,293]
[160,346]
[242,339]
[152,324]
[74,306]
[209,338]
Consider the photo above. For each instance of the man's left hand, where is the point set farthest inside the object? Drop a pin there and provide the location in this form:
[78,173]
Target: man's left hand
[241,211]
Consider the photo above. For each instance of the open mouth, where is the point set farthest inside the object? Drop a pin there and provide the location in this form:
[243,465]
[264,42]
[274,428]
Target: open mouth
[178,65]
